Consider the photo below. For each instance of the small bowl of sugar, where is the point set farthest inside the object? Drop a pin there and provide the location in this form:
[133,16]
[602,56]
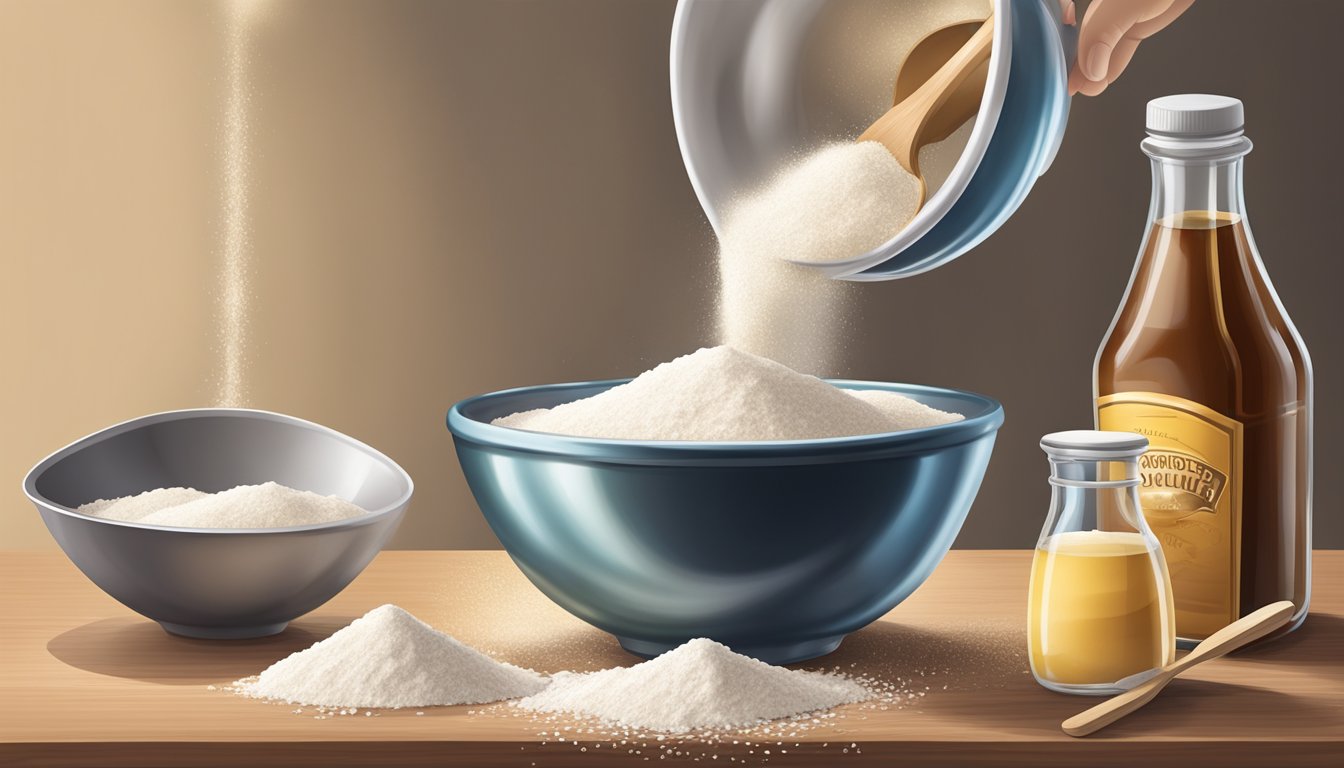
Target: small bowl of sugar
[220,523]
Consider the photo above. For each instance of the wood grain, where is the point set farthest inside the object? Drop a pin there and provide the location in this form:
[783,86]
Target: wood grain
[1243,631]
[85,681]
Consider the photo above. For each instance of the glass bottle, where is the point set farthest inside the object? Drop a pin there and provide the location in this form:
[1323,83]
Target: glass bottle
[1100,610]
[1202,359]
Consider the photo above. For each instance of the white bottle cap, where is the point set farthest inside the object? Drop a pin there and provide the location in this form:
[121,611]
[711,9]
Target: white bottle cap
[1195,116]
[1094,444]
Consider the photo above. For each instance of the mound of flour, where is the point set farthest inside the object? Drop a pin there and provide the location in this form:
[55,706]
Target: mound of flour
[269,505]
[721,393]
[388,659]
[135,508]
[700,685]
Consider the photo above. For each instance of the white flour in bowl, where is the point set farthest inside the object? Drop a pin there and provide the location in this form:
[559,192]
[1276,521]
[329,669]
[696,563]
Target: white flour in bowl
[269,505]
[134,508]
[390,659]
[722,393]
[700,685]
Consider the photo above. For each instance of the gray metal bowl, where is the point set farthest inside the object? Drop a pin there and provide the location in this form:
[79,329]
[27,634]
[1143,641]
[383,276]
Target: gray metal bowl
[219,583]
[777,549]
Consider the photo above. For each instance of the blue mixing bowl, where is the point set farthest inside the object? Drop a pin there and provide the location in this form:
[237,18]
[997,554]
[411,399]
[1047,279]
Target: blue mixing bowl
[777,549]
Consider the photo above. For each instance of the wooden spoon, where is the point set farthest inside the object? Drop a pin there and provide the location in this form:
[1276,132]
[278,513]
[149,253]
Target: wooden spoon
[925,58]
[1252,626]
[911,123]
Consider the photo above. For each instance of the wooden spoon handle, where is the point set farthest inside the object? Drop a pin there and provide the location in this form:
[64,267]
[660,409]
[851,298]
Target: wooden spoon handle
[1114,708]
[1252,626]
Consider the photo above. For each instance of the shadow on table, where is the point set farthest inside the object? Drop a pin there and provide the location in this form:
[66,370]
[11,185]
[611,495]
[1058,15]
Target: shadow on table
[139,649]
[1207,709]
[979,656]
[1317,643]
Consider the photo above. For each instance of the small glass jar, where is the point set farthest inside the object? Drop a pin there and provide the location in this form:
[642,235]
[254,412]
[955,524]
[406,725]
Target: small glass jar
[1100,615]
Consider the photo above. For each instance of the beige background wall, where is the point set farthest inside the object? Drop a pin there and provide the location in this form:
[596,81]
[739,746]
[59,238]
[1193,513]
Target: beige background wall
[456,197]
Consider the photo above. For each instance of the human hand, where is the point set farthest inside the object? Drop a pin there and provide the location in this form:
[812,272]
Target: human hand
[1110,33]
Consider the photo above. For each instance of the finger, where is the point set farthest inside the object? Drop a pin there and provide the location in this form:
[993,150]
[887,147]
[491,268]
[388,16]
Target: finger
[1120,57]
[1146,29]
[1124,51]
[1104,24]
[1077,81]
[1091,87]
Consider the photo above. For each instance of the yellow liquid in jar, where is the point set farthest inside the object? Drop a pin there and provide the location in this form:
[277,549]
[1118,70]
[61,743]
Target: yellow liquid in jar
[1099,609]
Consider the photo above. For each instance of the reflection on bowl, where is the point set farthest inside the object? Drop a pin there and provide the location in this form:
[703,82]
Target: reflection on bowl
[219,583]
[777,549]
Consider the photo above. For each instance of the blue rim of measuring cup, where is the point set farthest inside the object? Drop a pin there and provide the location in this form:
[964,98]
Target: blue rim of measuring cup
[1029,130]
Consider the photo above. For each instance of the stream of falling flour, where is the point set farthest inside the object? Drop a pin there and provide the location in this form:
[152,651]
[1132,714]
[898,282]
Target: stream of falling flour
[236,245]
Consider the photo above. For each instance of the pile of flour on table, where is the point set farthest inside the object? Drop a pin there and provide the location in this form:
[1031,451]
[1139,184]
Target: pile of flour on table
[699,685]
[721,393]
[390,659]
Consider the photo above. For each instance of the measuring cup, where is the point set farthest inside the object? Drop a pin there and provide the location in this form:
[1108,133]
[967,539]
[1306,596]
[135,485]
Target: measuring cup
[756,83]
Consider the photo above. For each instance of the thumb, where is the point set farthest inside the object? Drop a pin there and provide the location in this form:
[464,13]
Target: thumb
[1105,24]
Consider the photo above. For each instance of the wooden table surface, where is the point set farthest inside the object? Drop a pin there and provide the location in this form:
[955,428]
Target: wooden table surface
[85,681]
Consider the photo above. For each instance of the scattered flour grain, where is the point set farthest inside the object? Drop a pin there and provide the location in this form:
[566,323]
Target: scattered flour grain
[389,659]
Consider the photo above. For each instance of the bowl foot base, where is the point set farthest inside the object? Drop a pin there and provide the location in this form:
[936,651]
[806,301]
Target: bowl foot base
[223,633]
[786,653]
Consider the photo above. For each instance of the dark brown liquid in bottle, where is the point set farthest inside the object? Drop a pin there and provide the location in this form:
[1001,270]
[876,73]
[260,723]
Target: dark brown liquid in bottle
[1201,323]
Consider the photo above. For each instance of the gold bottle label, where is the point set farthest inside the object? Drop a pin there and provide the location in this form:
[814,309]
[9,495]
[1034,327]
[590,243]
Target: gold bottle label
[1191,498]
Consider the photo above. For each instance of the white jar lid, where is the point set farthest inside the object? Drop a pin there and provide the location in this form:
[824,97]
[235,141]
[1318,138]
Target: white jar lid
[1195,116]
[1094,444]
